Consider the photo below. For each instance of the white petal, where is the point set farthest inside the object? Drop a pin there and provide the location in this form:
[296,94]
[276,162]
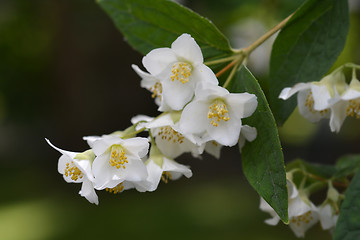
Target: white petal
[288,92]
[63,160]
[298,207]
[264,206]
[85,167]
[140,117]
[213,148]
[186,48]
[292,191]
[161,121]
[194,118]
[327,218]
[91,139]
[158,59]
[203,73]
[241,105]
[273,221]
[176,94]
[338,115]
[209,92]
[102,144]
[248,132]
[104,172]
[135,171]
[67,153]
[88,191]
[300,229]
[304,110]
[137,146]
[226,133]
[174,167]
[141,73]
[321,97]
[350,94]
[155,173]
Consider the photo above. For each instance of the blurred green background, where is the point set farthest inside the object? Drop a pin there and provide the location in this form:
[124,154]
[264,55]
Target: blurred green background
[65,73]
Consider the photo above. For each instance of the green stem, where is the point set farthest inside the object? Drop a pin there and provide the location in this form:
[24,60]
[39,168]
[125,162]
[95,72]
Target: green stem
[221,60]
[231,75]
[241,54]
[132,134]
[264,37]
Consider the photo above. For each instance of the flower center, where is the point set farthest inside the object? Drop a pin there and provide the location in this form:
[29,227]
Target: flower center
[117,189]
[181,71]
[169,134]
[72,171]
[305,218]
[166,176]
[353,108]
[156,90]
[309,103]
[117,157]
[217,112]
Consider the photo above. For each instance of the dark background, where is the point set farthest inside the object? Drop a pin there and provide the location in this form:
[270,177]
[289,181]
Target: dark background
[65,72]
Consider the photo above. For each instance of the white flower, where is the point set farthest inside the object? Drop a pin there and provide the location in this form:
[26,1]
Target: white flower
[176,70]
[317,100]
[153,84]
[168,137]
[213,148]
[76,168]
[163,168]
[350,99]
[247,133]
[328,216]
[119,160]
[215,114]
[302,214]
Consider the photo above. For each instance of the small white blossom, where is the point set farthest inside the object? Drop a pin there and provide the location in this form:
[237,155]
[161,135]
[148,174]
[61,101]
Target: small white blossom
[328,217]
[247,133]
[175,72]
[349,103]
[215,114]
[163,168]
[317,100]
[76,168]
[303,214]
[213,148]
[118,160]
[168,138]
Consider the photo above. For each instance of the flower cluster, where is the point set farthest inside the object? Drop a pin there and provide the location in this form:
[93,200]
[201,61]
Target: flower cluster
[303,214]
[331,97]
[197,115]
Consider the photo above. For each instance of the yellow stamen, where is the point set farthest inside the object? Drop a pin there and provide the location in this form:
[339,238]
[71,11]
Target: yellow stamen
[309,103]
[72,171]
[169,134]
[156,90]
[117,189]
[181,71]
[217,112]
[302,219]
[166,176]
[117,157]
[353,108]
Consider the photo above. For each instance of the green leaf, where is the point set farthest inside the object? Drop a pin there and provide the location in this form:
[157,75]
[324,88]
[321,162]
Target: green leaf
[348,224]
[157,23]
[305,49]
[262,159]
[347,165]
